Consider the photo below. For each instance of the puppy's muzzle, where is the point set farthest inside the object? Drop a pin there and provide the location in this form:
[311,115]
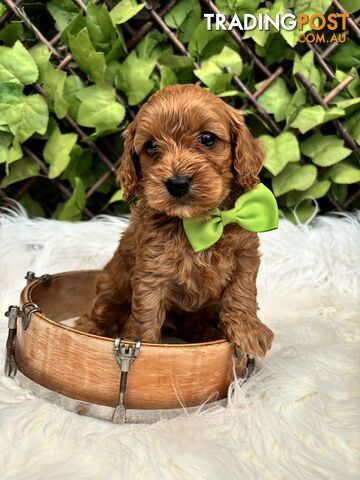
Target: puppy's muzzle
[178,185]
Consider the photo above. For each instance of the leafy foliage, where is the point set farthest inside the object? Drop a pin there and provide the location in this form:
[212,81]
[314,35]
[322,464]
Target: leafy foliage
[41,104]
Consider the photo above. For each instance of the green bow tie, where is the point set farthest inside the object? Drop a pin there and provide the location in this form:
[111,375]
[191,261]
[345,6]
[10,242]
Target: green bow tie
[255,210]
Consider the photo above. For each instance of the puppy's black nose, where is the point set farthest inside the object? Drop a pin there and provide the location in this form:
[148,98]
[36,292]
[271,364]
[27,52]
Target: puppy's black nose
[178,185]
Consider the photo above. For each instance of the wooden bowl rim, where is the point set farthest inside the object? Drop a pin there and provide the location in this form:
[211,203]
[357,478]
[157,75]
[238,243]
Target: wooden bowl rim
[25,296]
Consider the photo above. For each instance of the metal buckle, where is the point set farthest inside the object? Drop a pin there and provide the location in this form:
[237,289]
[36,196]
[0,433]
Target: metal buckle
[10,367]
[13,313]
[26,316]
[45,279]
[125,355]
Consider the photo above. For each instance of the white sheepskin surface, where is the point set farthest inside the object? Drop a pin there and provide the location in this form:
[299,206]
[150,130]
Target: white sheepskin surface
[296,418]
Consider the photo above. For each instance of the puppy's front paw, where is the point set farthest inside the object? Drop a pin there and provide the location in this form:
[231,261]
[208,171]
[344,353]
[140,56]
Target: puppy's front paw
[133,330]
[253,337]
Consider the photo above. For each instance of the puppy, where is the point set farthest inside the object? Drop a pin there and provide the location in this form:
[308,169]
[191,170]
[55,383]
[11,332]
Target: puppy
[185,153]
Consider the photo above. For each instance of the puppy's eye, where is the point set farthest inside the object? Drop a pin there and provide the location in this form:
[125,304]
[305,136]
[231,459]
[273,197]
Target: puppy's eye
[207,139]
[150,148]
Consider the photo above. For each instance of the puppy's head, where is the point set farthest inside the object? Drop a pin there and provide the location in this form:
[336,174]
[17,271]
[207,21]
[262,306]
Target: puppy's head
[185,150]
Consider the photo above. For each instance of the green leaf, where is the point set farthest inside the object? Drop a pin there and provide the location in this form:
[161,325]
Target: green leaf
[41,55]
[14,153]
[176,62]
[185,16]
[259,36]
[20,170]
[62,11]
[345,172]
[294,106]
[52,124]
[228,7]
[116,197]
[73,28]
[346,55]
[202,38]
[231,93]
[306,66]
[317,190]
[352,125]
[167,77]
[340,76]
[125,10]
[291,36]
[350,105]
[54,82]
[350,102]
[17,65]
[57,151]
[339,192]
[228,58]
[86,57]
[100,27]
[353,87]
[213,77]
[311,6]
[212,72]
[5,142]
[350,5]
[12,32]
[10,150]
[179,13]
[133,77]
[304,211]
[294,177]
[279,151]
[186,31]
[73,208]
[32,207]
[73,85]
[151,46]
[101,133]
[275,49]
[99,108]
[81,166]
[275,99]
[310,117]
[23,115]
[118,49]
[307,7]
[324,150]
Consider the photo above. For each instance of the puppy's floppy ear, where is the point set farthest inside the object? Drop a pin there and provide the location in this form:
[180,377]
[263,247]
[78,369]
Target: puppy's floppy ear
[247,152]
[129,170]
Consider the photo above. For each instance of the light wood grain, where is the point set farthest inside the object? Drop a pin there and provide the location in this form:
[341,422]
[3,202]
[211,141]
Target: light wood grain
[83,366]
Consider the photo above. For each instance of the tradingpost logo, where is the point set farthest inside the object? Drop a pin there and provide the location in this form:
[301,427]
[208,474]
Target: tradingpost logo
[326,28]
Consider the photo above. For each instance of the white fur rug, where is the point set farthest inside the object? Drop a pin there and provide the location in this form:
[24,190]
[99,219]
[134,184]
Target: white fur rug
[297,418]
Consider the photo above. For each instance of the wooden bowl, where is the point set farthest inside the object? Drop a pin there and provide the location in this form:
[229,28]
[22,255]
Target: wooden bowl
[83,366]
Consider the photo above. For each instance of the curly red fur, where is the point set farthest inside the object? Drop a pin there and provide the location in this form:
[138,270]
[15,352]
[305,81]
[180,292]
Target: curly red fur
[154,276]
